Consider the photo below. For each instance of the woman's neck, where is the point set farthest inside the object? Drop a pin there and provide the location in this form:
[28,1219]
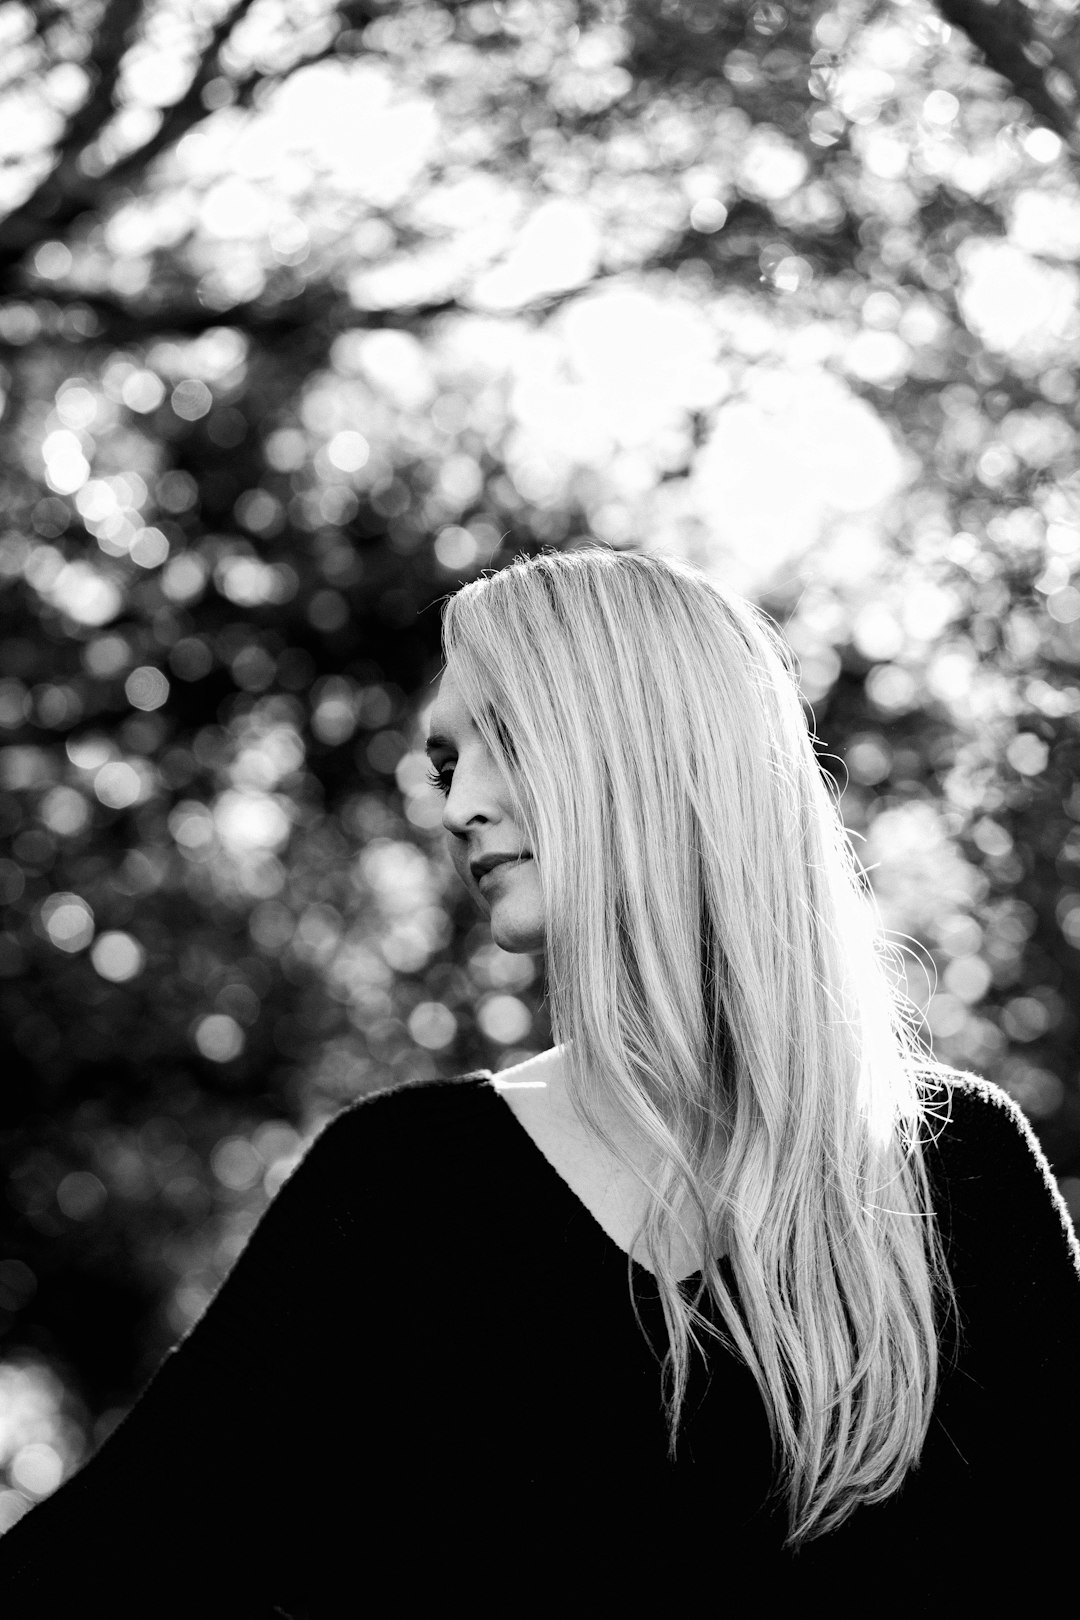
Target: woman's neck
[540,1084]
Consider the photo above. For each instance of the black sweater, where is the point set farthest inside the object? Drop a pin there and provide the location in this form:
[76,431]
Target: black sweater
[422,1388]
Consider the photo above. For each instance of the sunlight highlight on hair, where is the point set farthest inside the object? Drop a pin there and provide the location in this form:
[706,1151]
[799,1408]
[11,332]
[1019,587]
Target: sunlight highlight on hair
[723,990]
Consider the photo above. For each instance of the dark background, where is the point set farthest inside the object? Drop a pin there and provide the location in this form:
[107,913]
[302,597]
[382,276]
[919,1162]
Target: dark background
[228,517]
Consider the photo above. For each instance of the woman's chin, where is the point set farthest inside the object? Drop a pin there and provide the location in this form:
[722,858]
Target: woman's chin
[517,934]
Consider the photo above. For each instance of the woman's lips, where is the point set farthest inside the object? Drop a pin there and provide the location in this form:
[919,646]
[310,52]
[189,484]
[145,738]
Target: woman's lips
[503,866]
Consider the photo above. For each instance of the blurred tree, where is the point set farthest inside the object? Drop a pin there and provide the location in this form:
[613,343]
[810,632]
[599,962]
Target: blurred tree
[308,314]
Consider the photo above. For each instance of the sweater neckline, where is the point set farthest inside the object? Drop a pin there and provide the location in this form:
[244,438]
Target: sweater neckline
[532,1152]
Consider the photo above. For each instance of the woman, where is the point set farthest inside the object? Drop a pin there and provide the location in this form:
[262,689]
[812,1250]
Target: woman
[731,1297]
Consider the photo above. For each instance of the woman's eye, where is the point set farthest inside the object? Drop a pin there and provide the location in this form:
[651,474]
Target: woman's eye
[440,779]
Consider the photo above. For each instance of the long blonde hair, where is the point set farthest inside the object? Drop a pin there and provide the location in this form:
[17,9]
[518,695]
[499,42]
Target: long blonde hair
[722,986]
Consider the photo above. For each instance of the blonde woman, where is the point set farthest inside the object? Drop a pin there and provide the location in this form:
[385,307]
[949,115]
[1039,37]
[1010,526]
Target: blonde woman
[733,1296]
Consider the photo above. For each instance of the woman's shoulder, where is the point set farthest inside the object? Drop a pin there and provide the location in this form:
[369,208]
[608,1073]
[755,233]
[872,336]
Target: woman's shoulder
[396,1146]
[966,1114]
[392,1124]
[989,1171]
[974,1127]
[440,1099]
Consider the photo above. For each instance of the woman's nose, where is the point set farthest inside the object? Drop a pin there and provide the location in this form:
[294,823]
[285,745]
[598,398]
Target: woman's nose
[475,794]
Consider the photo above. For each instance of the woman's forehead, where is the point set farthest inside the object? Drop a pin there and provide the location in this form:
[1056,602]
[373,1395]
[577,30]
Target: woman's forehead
[448,713]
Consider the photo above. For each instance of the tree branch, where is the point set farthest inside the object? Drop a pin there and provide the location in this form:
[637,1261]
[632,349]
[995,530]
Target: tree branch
[124,323]
[115,33]
[128,323]
[66,193]
[190,109]
[61,196]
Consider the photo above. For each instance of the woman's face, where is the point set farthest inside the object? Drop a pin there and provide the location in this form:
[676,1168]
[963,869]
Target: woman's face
[480,821]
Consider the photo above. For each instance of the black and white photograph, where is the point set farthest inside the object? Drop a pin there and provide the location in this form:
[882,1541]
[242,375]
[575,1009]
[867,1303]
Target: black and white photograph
[539,808]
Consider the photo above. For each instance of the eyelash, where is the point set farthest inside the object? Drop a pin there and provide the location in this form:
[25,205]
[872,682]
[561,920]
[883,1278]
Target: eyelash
[435,778]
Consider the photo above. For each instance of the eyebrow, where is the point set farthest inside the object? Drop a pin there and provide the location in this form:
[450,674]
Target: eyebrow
[435,741]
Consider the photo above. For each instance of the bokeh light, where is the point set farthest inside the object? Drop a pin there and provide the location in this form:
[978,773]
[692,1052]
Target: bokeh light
[219,1037]
[39,1443]
[504,1019]
[117,956]
[432,1025]
[146,688]
[68,921]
